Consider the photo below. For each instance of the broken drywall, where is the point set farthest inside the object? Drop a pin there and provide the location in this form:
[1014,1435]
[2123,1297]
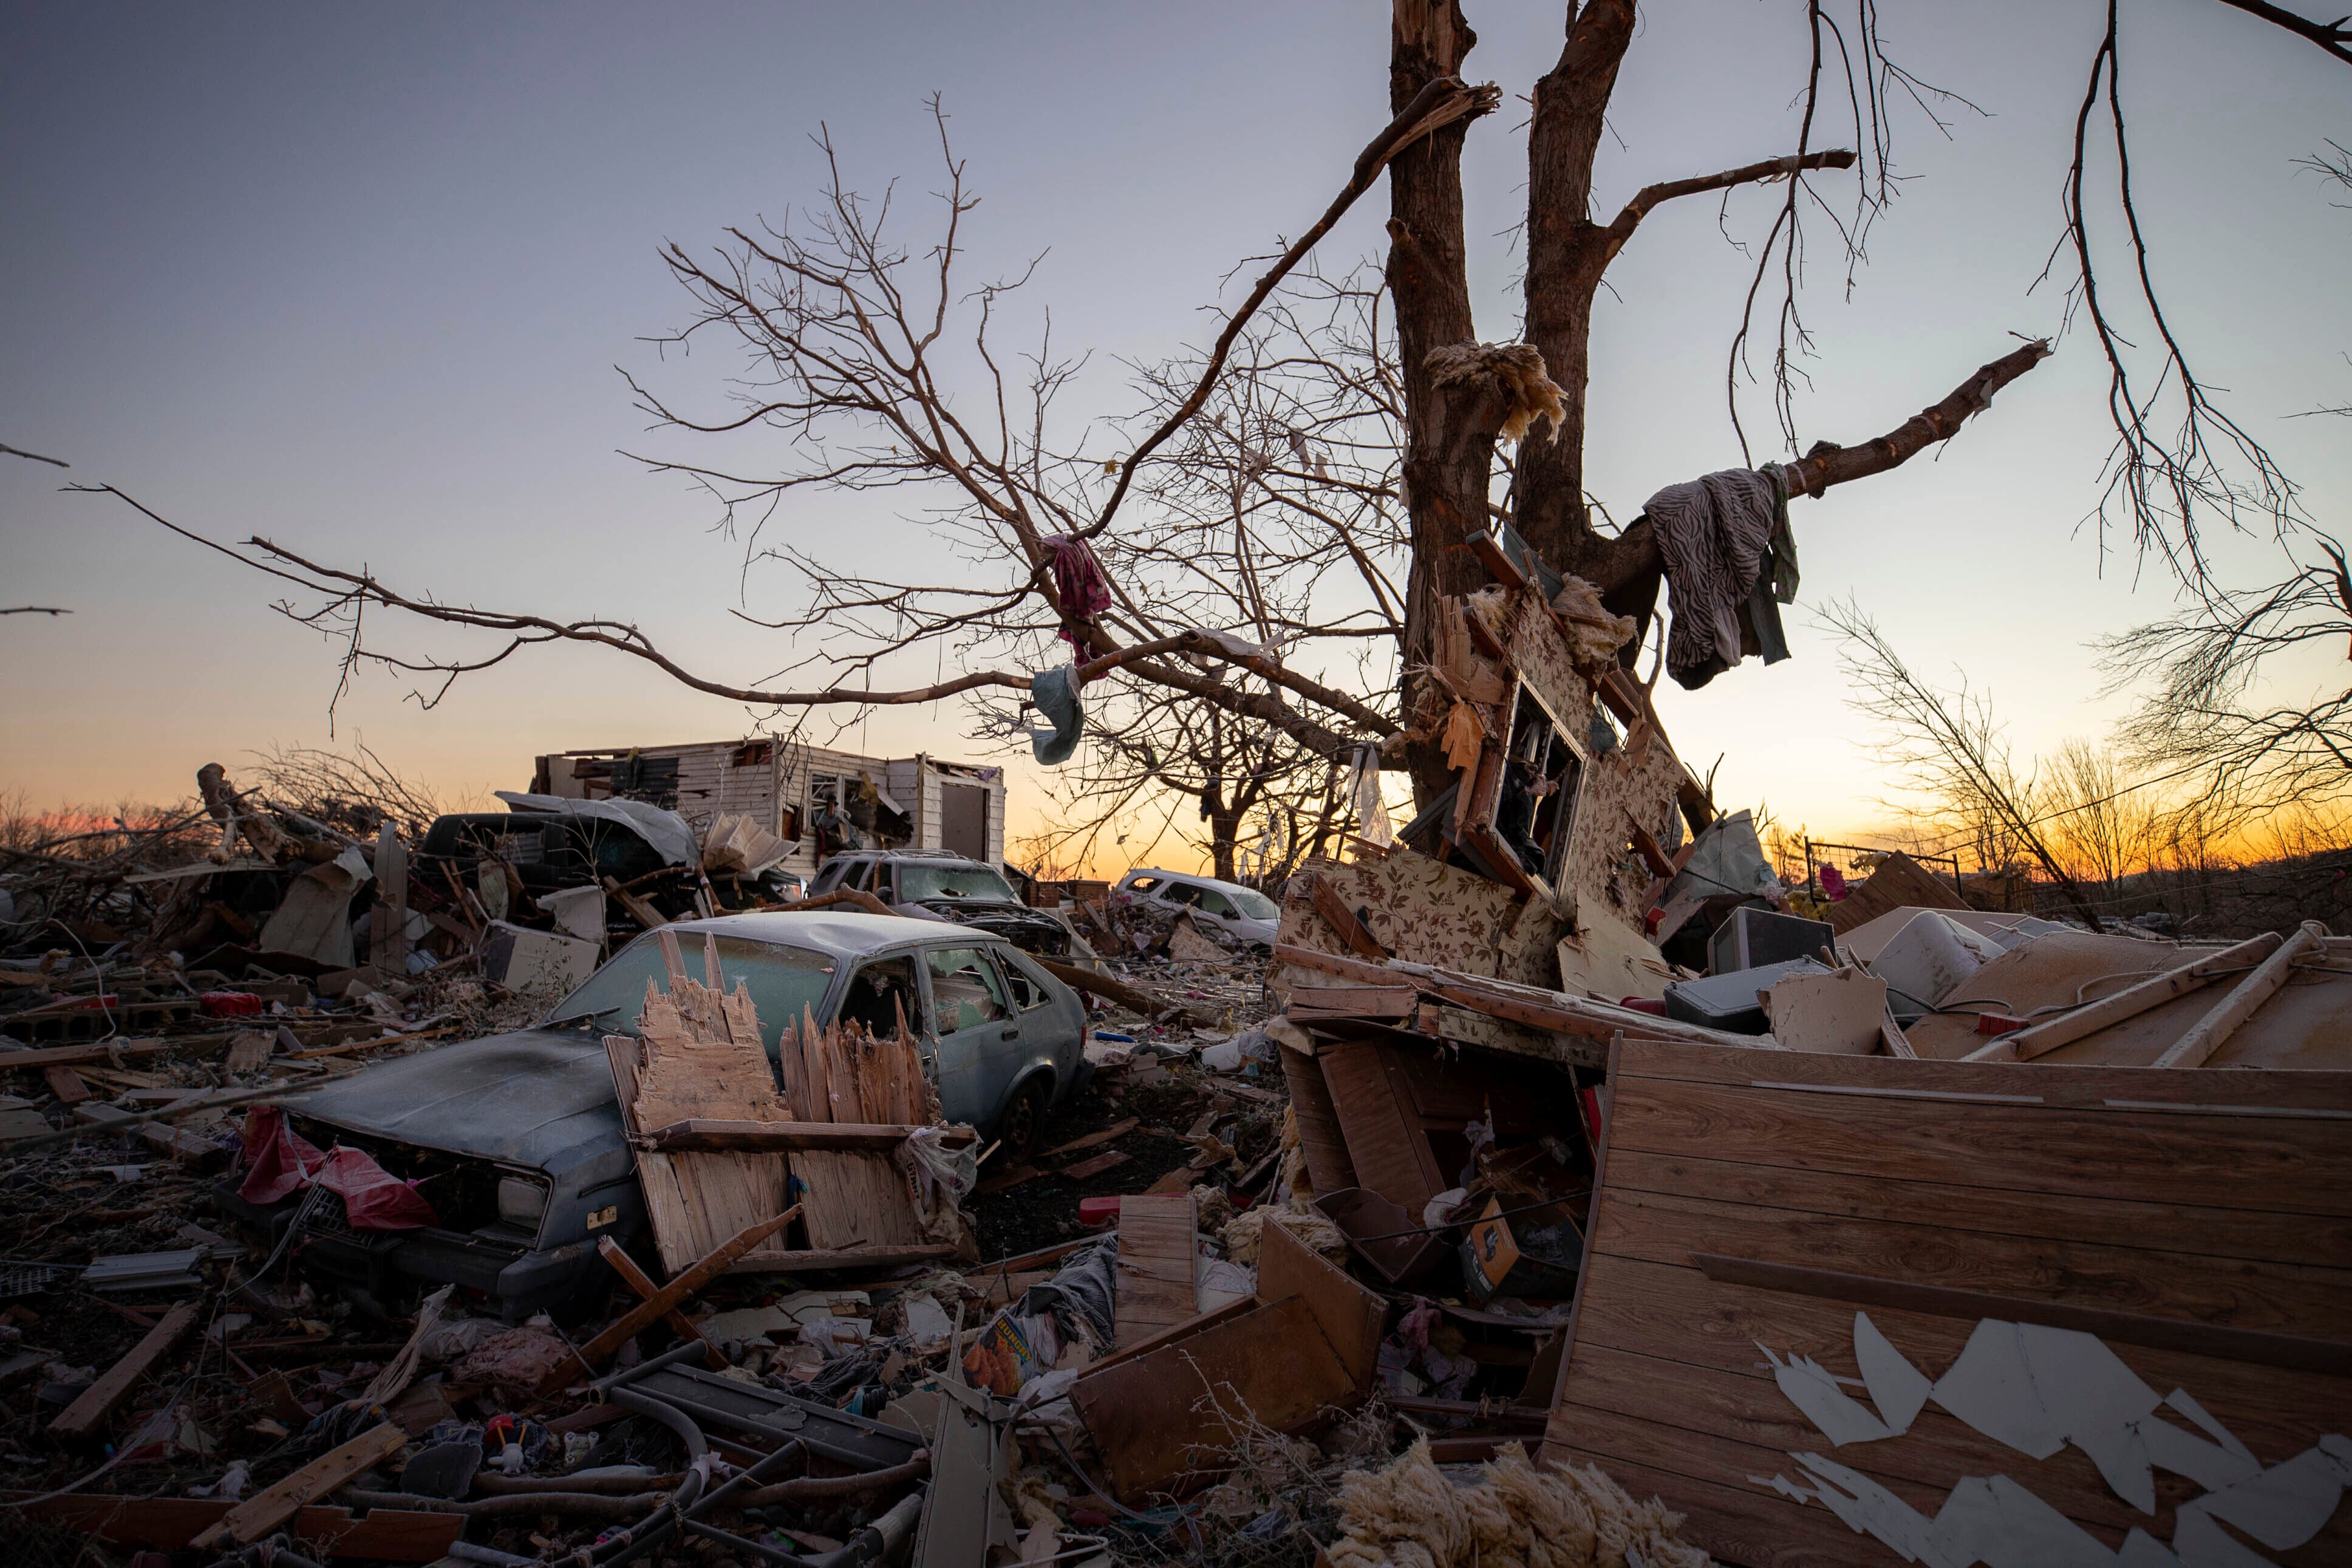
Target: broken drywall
[2036,1389]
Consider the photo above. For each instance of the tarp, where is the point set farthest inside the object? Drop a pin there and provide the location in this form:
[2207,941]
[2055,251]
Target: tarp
[282,1162]
[666,831]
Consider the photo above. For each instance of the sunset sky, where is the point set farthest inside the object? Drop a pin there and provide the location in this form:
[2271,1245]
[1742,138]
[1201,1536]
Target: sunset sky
[358,279]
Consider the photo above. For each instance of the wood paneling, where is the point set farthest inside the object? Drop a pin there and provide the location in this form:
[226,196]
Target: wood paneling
[1328,1165]
[2202,1204]
[1385,1140]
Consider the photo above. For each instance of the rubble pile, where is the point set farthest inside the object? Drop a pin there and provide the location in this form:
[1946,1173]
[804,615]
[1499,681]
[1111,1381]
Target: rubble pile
[1545,1187]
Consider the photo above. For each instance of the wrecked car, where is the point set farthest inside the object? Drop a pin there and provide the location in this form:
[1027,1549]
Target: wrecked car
[516,1139]
[933,884]
[1243,912]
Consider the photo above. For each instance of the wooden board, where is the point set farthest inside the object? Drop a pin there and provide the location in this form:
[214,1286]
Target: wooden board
[855,1198]
[1161,1418]
[266,1510]
[1155,1264]
[1328,1165]
[97,1402]
[1386,1142]
[1350,1317]
[1762,1199]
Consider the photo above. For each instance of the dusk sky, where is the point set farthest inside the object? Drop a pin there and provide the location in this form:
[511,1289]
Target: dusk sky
[358,279]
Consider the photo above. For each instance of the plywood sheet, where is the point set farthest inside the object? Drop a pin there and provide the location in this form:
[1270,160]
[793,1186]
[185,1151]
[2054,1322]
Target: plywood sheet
[1164,1418]
[1899,880]
[1155,1264]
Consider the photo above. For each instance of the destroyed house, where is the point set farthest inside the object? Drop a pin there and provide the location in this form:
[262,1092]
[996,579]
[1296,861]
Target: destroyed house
[820,801]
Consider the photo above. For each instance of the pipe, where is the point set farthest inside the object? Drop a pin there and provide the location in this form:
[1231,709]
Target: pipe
[670,1357]
[820,1488]
[885,1538]
[579,1505]
[618,1482]
[624,1544]
[466,1552]
[877,1542]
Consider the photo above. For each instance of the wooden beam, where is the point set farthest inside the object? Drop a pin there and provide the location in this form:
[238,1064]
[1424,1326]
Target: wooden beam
[1520,1004]
[2214,1029]
[1343,920]
[650,1310]
[2038,1039]
[68,1056]
[637,1280]
[843,1258]
[88,1413]
[1111,989]
[264,1511]
[65,1084]
[698,1134]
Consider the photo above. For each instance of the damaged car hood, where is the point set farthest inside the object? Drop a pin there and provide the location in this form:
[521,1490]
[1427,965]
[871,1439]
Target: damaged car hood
[529,1098]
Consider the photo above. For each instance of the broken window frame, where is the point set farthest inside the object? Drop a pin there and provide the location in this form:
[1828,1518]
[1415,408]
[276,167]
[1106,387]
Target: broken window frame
[1479,829]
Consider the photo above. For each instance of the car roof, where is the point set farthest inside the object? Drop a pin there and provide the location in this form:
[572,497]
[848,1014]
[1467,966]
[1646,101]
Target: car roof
[1192,877]
[907,855]
[843,933]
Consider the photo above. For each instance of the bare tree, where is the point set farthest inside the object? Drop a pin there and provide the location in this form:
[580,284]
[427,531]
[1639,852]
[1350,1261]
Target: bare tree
[880,363]
[1949,749]
[2102,821]
[2230,708]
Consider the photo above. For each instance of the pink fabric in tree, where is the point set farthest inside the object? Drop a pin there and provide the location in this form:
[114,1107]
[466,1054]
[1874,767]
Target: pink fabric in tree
[1079,583]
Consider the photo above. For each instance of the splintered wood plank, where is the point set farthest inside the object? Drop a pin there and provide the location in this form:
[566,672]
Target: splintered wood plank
[1386,1144]
[717,1197]
[264,1511]
[855,1198]
[1328,1165]
[1155,1264]
[97,1402]
[703,1135]
[1095,1165]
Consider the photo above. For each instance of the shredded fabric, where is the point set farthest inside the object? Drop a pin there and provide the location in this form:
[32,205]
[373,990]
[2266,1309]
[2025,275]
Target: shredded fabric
[1079,584]
[1594,633]
[1518,367]
[1410,1516]
[1244,1232]
[1729,566]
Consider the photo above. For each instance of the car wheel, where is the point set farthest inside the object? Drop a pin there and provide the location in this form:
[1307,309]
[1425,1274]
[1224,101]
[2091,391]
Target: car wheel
[1023,1120]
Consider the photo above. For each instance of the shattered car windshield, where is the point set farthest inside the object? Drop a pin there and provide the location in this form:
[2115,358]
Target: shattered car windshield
[916,883]
[1257,906]
[783,980]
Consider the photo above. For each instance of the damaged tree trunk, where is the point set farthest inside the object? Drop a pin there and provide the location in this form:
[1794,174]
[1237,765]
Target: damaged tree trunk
[1454,419]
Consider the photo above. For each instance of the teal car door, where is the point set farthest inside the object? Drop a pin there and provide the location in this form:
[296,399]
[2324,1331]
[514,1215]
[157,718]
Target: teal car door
[979,1033]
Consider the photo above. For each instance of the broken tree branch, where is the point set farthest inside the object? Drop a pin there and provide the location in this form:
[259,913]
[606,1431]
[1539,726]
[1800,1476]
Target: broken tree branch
[1439,103]
[2335,38]
[1649,197]
[1828,464]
